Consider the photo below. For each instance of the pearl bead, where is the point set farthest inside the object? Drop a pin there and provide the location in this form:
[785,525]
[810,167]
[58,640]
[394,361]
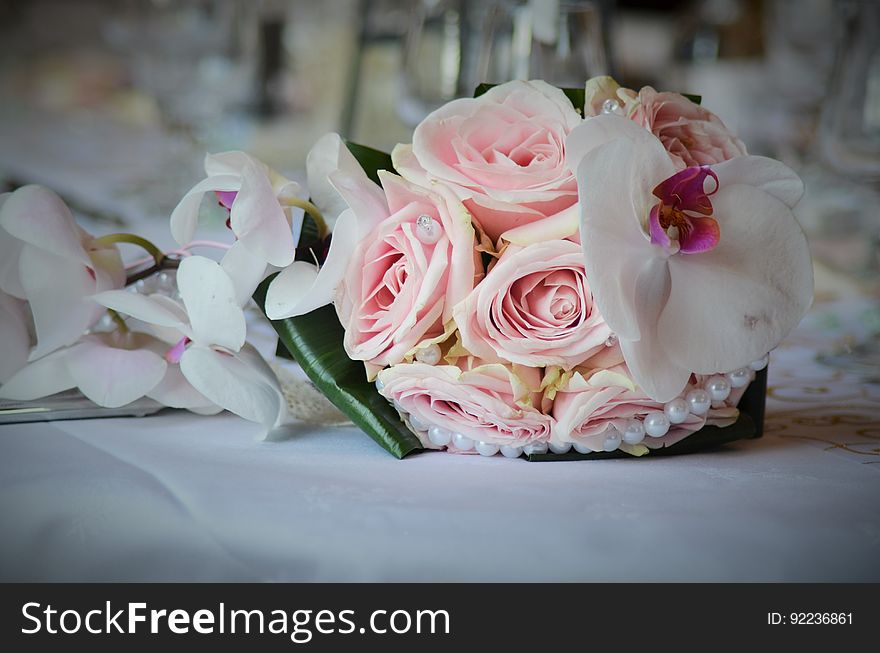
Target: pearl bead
[560,447]
[699,401]
[417,424]
[612,106]
[429,355]
[718,388]
[612,440]
[656,424]
[635,431]
[379,385]
[166,282]
[439,436]
[487,448]
[511,452]
[611,340]
[760,364]
[677,410]
[535,447]
[738,378]
[428,230]
[462,442]
[581,447]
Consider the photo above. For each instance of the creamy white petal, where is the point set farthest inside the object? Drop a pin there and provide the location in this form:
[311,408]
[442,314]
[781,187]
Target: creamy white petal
[232,384]
[37,216]
[614,245]
[40,378]
[176,392]
[226,163]
[185,215]
[660,374]
[733,304]
[770,175]
[365,198]
[259,221]
[58,290]
[111,376]
[246,270]
[15,341]
[328,155]
[208,295]
[146,309]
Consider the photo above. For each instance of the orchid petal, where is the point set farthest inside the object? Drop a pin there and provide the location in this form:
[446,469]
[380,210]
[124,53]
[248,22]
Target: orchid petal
[142,308]
[175,391]
[733,304]
[232,383]
[38,217]
[15,342]
[245,269]
[365,198]
[56,289]
[226,163]
[111,376]
[41,378]
[769,175]
[185,215]
[259,221]
[209,297]
[327,155]
[10,248]
[660,375]
[613,242]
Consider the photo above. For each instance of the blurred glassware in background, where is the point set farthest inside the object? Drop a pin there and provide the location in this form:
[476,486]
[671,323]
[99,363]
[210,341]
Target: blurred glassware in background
[452,46]
[849,144]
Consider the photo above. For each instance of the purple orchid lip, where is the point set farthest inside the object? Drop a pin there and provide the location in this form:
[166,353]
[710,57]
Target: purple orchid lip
[684,212]
[173,355]
[226,197]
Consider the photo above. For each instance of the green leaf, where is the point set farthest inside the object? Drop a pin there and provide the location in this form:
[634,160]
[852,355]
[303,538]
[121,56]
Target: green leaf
[696,99]
[315,340]
[372,161]
[577,96]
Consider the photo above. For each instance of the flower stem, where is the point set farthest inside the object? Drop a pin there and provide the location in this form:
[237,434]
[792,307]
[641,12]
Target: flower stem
[313,211]
[117,319]
[133,239]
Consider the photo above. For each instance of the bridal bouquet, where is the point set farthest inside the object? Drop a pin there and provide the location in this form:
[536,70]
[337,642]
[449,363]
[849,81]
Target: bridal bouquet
[548,272]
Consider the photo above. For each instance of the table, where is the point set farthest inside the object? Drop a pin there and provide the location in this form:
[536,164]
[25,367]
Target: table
[180,497]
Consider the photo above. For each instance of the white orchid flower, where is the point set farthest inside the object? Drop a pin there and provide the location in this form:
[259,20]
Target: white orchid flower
[111,369]
[209,327]
[336,181]
[48,260]
[262,215]
[15,342]
[702,270]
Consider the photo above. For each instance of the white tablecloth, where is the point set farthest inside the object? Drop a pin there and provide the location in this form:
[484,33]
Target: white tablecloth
[181,497]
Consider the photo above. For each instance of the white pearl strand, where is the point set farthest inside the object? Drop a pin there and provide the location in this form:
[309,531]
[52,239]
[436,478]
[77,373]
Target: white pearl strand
[654,424]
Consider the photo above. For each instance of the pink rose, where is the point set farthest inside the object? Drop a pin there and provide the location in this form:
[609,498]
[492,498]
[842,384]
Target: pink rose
[404,277]
[534,308]
[494,403]
[503,154]
[692,135]
[588,406]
